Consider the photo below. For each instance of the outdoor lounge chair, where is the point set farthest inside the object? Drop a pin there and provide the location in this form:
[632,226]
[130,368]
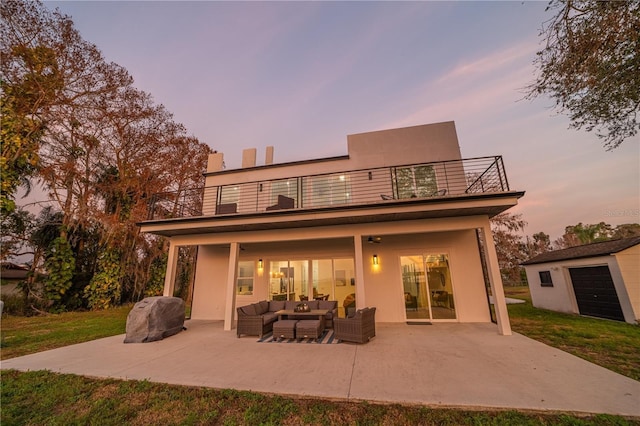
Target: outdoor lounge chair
[283,203]
[229,208]
[359,329]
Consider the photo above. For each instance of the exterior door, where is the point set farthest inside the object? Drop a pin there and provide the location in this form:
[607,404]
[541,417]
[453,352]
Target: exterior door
[328,279]
[416,294]
[427,287]
[288,280]
[595,292]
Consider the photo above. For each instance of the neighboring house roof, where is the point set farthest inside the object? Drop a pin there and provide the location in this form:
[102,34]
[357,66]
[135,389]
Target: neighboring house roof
[11,271]
[602,248]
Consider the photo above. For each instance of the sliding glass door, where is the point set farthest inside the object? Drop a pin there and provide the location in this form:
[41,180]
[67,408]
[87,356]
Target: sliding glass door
[328,279]
[427,287]
[288,280]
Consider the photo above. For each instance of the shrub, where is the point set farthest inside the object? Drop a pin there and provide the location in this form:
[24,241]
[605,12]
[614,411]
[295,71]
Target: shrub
[105,288]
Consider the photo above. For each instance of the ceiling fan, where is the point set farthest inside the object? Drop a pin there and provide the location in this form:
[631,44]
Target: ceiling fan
[374,240]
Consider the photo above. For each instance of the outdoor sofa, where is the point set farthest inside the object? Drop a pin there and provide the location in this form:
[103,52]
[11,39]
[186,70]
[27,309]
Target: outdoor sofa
[257,319]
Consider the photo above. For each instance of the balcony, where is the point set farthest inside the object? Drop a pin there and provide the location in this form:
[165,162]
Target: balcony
[447,180]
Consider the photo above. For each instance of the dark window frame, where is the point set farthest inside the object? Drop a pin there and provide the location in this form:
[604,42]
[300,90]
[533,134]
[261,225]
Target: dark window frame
[545,279]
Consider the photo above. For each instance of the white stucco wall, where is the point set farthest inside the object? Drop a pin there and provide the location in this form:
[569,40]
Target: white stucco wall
[384,148]
[209,291]
[558,298]
[629,263]
[384,284]
[408,145]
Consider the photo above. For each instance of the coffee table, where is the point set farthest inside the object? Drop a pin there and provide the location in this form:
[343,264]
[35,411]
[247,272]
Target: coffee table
[317,313]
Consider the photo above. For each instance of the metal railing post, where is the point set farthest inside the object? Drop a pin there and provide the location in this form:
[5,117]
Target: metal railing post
[394,182]
[503,174]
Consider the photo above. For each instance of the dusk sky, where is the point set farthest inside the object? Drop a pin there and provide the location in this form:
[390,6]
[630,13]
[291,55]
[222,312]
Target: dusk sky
[301,76]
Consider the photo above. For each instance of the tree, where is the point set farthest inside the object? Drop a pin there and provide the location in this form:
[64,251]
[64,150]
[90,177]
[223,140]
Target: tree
[16,227]
[101,150]
[626,230]
[105,289]
[538,243]
[510,245]
[23,99]
[580,234]
[589,66]
[60,264]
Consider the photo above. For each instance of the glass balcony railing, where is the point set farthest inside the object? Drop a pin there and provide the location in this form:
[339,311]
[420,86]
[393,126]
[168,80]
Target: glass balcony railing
[349,188]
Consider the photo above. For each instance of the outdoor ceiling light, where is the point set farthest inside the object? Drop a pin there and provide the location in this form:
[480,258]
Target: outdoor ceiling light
[375,259]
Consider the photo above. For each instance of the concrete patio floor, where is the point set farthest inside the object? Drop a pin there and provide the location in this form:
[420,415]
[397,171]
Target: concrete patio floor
[446,365]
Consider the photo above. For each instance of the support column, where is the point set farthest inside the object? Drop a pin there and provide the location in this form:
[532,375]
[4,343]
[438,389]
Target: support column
[230,302]
[172,267]
[359,264]
[495,281]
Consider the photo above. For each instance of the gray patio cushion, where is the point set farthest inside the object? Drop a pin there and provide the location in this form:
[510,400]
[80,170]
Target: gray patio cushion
[249,310]
[291,304]
[269,317]
[259,308]
[264,306]
[276,305]
[327,304]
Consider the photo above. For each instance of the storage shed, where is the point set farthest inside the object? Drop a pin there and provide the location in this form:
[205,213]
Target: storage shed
[599,280]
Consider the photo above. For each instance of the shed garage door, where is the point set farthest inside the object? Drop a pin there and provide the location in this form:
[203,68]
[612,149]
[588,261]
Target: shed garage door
[595,293]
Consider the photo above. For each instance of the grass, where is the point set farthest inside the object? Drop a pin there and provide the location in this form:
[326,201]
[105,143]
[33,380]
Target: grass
[40,397]
[25,335]
[611,344]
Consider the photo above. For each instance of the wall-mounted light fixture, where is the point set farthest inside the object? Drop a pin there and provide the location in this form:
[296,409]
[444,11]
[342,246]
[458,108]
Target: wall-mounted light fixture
[375,259]
[259,263]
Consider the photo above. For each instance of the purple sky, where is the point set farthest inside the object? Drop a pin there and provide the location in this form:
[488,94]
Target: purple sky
[300,76]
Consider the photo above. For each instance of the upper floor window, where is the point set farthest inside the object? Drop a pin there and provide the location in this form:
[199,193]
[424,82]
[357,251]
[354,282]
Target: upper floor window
[328,190]
[229,194]
[545,279]
[415,181]
[285,187]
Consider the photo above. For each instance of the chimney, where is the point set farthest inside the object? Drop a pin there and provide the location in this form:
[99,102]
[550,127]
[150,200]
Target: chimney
[268,159]
[215,162]
[248,157]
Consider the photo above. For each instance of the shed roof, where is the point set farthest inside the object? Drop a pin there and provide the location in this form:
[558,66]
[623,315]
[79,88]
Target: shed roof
[601,248]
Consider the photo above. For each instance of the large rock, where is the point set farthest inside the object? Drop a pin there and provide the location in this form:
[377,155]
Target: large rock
[155,318]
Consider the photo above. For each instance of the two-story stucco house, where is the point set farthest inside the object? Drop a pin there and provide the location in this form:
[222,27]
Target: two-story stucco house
[400,223]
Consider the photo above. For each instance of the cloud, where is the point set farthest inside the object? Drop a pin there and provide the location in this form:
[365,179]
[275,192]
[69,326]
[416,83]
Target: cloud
[491,64]
[473,90]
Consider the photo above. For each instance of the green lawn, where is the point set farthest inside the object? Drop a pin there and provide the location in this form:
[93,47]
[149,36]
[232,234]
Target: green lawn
[611,344]
[38,397]
[25,335]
